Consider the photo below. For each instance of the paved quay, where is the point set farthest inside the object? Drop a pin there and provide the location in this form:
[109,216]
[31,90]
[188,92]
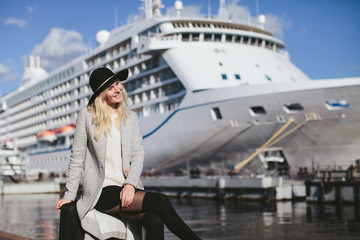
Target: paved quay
[9,236]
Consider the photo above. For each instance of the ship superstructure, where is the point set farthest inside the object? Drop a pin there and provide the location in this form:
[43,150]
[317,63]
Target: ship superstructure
[208,93]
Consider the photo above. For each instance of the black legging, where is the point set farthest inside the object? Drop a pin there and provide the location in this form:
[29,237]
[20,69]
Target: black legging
[150,208]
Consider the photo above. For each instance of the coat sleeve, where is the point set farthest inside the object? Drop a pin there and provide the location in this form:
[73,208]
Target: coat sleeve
[77,157]
[137,155]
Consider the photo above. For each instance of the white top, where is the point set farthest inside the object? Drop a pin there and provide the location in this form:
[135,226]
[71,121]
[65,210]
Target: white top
[113,161]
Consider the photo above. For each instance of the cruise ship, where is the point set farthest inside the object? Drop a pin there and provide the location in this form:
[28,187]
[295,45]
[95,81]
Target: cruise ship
[211,94]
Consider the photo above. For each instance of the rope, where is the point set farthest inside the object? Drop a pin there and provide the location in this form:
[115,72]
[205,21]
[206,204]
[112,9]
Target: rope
[340,126]
[288,132]
[191,148]
[336,131]
[270,142]
[273,141]
[265,145]
[218,146]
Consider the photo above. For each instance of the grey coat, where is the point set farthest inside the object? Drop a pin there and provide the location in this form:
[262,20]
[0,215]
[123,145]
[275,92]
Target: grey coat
[88,158]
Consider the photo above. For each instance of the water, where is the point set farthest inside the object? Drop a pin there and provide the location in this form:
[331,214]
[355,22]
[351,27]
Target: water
[34,216]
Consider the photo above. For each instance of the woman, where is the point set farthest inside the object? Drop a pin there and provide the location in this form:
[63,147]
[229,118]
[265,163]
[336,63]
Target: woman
[108,150]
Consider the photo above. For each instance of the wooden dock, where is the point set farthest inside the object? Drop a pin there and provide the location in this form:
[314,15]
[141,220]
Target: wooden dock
[225,187]
[333,192]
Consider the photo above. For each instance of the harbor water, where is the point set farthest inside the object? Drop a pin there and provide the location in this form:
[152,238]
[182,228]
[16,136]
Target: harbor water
[34,216]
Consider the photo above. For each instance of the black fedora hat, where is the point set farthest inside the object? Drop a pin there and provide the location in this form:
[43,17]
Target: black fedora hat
[103,77]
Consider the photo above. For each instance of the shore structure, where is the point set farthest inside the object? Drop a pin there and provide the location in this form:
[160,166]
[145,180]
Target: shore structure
[258,188]
[320,186]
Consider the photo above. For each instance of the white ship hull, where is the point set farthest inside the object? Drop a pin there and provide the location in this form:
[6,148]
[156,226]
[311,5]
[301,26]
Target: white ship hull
[328,139]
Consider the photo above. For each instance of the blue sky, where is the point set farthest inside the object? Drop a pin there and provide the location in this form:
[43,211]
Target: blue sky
[322,36]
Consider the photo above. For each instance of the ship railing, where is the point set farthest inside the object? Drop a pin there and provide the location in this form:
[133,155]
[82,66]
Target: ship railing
[158,42]
[160,99]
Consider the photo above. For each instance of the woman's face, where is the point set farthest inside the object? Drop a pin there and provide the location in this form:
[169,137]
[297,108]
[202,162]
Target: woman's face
[114,94]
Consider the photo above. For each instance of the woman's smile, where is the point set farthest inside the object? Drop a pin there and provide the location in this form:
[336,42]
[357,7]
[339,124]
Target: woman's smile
[114,94]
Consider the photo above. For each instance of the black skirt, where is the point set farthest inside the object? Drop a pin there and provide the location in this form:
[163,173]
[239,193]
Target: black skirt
[109,198]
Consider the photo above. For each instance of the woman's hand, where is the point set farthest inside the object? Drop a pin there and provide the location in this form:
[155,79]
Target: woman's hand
[61,202]
[127,195]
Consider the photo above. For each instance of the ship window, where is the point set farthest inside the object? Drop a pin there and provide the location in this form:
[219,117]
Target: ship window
[237,76]
[102,55]
[268,78]
[217,37]
[228,38]
[257,110]
[268,45]
[224,77]
[207,37]
[237,39]
[195,36]
[293,107]
[215,113]
[185,37]
[336,104]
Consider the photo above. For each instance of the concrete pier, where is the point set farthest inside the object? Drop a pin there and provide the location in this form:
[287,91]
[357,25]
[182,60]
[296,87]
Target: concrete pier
[221,187]
[333,192]
[259,188]
[48,186]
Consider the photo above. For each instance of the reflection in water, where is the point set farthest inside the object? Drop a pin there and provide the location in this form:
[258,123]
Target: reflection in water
[280,220]
[34,216]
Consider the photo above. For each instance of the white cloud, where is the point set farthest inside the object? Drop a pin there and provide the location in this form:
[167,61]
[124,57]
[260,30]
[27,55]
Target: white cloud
[15,21]
[58,47]
[242,15]
[276,25]
[3,70]
[239,14]
[187,11]
[8,72]
[30,9]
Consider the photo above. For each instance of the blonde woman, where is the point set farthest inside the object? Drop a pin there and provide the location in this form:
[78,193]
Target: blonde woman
[108,150]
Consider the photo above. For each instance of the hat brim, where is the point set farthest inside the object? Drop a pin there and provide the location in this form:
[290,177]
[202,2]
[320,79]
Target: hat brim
[121,76]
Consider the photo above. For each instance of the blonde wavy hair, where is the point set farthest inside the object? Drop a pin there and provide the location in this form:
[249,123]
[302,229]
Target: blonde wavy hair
[101,113]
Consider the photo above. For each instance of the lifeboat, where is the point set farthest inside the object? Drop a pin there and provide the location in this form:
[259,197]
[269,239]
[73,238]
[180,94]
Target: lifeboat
[65,130]
[47,136]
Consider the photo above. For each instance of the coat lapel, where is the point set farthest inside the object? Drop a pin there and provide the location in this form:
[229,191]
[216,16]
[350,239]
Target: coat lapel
[99,145]
[100,148]
[125,137]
